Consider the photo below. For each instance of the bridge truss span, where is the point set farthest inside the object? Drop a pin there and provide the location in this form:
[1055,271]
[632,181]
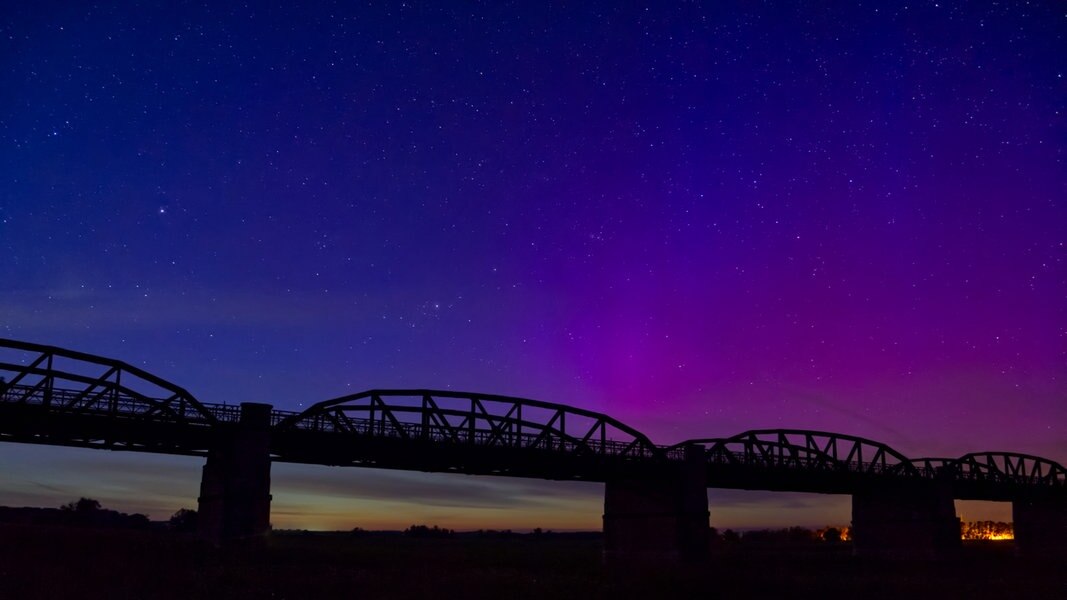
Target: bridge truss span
[65,382]
[801,460]
[995,475]
[483,420]
[1011,468]
[815,450]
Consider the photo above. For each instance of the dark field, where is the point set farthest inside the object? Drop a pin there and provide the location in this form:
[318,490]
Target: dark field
[57,562]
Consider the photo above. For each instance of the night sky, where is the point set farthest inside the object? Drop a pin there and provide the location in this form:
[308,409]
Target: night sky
[699,219]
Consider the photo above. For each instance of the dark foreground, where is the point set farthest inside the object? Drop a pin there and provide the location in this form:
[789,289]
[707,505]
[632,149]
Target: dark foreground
[58,562]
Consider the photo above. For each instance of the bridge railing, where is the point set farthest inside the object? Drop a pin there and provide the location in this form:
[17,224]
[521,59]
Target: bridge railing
[225,413]
[277,416]
[673,452]
[933,468]
[231,413]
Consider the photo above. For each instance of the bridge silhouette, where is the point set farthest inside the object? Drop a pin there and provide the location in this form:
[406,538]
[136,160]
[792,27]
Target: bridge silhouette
[655,503]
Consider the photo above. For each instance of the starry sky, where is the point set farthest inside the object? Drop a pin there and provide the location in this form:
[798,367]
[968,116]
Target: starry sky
[699,218]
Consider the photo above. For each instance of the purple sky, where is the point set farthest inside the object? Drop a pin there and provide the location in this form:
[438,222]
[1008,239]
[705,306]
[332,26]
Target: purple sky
[699,219]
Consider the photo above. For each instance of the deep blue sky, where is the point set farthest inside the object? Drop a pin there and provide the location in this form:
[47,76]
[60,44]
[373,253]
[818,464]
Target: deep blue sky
[700,218]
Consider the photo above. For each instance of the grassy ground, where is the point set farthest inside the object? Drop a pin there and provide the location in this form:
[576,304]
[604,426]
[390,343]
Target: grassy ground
[56,562]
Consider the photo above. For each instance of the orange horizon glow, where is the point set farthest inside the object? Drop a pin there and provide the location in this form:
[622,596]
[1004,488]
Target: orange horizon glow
[987,530]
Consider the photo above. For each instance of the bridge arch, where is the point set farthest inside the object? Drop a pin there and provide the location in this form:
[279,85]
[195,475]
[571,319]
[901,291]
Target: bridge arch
[814,450]
[483,419]
[66,381]
[1011,468]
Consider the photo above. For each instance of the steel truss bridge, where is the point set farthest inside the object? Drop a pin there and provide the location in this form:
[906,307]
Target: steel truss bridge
[56,396]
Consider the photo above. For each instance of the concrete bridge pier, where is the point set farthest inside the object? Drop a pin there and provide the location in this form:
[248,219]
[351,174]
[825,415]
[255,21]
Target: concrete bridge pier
[1040,523]
[916,521]
[658,516]
[235,496]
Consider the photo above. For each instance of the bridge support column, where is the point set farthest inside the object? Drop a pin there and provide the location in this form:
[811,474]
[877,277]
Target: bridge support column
[235,496]
[1040,524]
[905,521]
[658,516]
